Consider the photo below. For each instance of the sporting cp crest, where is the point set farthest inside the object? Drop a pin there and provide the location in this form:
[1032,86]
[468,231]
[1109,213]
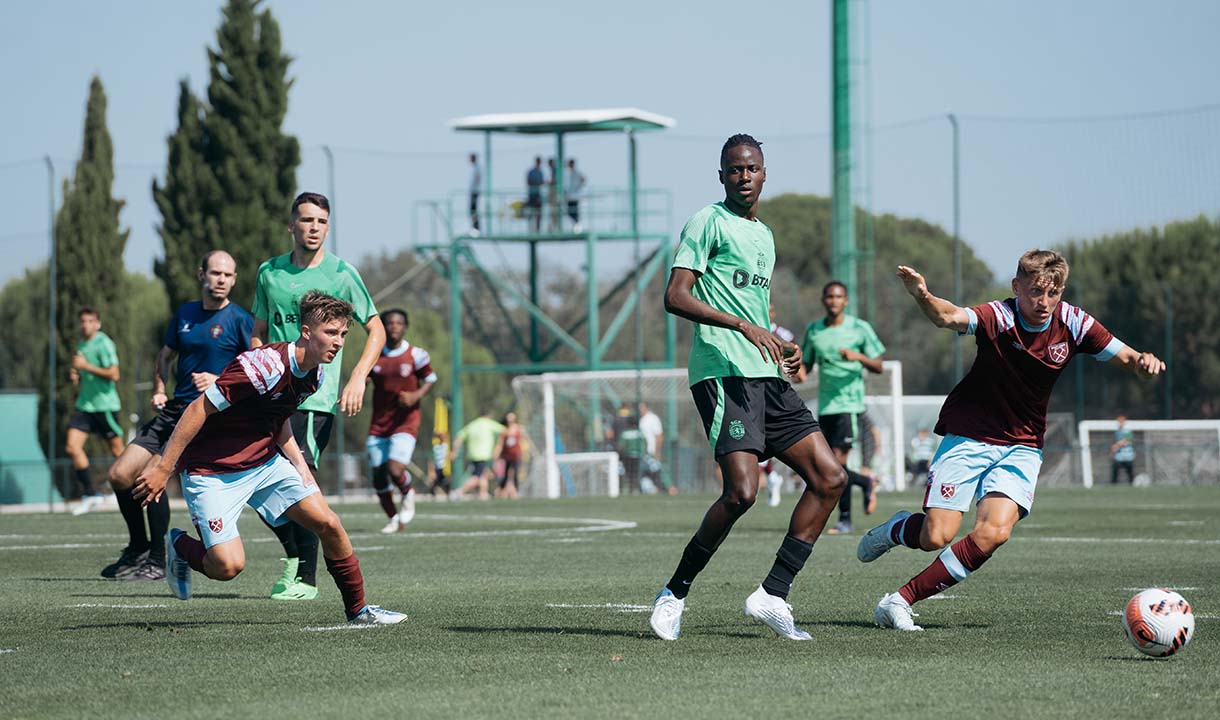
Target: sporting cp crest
[216,524]
[1058,353]
[736,429]
[946,491]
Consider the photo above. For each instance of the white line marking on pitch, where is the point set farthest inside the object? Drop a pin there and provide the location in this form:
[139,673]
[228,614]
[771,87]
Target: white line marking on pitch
[119,607]
[1142,541]
[7,650]
[1162,587]
[1186,522]
[619,607]
[329,628]
[944,597]
[568,540]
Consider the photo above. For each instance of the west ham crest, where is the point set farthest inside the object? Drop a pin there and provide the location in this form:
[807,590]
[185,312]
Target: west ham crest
[946,491]
[216,524]
[404,370]
[1058,353]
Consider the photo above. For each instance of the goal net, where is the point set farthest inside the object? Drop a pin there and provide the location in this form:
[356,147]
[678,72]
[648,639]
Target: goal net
[1167,452]
[574,422]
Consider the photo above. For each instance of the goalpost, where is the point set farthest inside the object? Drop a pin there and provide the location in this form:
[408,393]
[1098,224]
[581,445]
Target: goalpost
[571,421]
[1170,452]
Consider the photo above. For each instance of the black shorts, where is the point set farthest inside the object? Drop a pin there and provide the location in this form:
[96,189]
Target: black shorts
[759,415]
[840,429]
[155,433]
[477,467]
[312,432]
[104,424]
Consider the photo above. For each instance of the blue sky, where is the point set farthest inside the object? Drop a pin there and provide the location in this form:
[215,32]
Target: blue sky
[379,80]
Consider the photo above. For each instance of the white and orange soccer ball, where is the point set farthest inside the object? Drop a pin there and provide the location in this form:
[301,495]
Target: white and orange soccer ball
[1159,622]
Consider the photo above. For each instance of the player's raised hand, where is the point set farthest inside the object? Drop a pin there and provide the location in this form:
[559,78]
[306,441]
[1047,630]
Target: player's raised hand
[158,400]
[79,362]
[352,398]
[1149,365]
[203,380]
[914,282]
[792,359]
[767,343]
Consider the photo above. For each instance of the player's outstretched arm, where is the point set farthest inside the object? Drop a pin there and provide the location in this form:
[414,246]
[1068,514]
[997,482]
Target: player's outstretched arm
[161,371]
[681,302]
[352,398]
[1144,365]
[941,312]
[151,483]
[258,336]
[292,451]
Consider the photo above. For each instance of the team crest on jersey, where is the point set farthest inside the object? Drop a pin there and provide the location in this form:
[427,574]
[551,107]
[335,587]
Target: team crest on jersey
[1058,352]
[216,524]
[737,430]
[217,331]
[404,370]
[947,491]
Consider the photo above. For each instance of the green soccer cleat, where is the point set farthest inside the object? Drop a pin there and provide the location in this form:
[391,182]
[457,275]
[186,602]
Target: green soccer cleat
[287,577]
[296,590]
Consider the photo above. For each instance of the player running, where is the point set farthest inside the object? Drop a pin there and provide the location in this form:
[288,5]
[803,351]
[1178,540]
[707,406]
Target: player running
[843,347]
[401,378]
[235,446]
[721,280]
[205,335]
[993,423]
[95,369]
[282,281]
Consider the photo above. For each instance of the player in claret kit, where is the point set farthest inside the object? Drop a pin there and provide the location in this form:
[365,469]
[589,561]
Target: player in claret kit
[993,424]
[235,446]
[401,378]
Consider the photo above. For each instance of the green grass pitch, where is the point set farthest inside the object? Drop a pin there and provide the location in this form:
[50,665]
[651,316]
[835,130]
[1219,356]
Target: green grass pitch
[539,609]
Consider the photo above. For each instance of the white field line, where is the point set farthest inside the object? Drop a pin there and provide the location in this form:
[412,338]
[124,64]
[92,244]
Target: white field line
[574,525]
[1137,541]
[568,540]
[7,650]
[1162,587]
[617,607]
[119,607]
[1186,522]
[944,597]
[330,628]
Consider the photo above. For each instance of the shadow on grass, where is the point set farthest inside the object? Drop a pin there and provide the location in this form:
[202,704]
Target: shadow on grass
[171,626]
[167,596]
[75,579]
[536,630]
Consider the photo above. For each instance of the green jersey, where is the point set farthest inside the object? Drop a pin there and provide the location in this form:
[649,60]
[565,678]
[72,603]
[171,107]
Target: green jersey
[480,438]
[734,258]
[97,394]
[840,382]
[278,292]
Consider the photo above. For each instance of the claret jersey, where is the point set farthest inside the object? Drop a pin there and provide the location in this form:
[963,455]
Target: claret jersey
[400,369]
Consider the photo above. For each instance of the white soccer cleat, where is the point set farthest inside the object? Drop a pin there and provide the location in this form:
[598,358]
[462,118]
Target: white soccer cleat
[775,613]
[666,618]
[87,504]
[876,542]
[177,570]
[373,615]
[774,485]
[392,526]
[894,612]
[407,513]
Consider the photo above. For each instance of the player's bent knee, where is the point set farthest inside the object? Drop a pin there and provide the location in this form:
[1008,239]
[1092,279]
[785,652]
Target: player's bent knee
[936,538]
[738,502]
[226,569]
[991,537]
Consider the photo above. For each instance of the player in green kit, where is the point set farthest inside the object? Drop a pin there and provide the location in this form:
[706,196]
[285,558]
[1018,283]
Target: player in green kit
[281,283]
[843,347]
[721,281]
[95,369]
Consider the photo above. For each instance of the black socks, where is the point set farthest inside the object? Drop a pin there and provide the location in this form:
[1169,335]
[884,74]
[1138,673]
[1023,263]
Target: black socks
[694,558]
[789,560]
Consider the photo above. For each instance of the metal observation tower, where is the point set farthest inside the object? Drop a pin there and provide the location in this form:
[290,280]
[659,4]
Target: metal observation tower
[619,227]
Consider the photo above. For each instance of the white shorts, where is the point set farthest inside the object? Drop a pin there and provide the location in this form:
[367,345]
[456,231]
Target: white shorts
[216,501]
[965,470]
[398,447]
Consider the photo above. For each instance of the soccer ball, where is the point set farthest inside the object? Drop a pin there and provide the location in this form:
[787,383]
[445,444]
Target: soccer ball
[1159,622]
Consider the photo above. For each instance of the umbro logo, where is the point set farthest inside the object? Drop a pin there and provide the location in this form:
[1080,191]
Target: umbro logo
[186,327]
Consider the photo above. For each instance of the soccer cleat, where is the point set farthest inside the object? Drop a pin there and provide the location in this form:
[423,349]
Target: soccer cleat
[840,528]
[870,496]
[129,561]
[894,612]
[877,542]
[407,513]
[87,504]
[288,575]
[373,615]
[775,613]
[177,570]
[296,590]
[152,570]
[393,526]
[666,618]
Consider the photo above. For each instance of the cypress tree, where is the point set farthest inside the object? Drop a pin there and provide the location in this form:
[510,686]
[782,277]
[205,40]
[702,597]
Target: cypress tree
[232,171]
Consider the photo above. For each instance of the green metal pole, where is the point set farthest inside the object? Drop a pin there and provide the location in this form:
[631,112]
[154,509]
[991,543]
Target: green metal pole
[486,219]
[534,355]
[957,241]
[456,415]
[1168,399]
[633,197]
[52,371]
[559,194]
[592,356]
[843,259]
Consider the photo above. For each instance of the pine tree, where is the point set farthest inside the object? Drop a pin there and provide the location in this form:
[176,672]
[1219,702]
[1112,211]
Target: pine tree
[88,244]
[232,171]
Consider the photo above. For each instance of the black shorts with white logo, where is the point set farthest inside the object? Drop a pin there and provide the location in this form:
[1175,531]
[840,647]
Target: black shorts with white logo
[104,424]
[840,429]
[312,433]
[764,416]
[155,433]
